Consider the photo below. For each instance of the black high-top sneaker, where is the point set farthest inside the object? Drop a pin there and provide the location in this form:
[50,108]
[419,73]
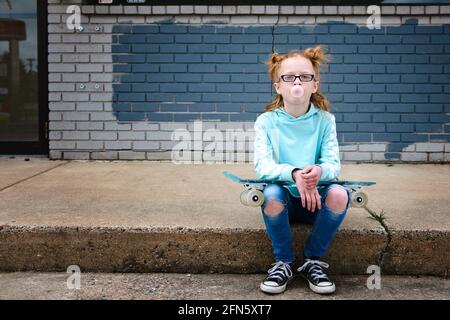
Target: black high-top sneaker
[318,280]
[278,277]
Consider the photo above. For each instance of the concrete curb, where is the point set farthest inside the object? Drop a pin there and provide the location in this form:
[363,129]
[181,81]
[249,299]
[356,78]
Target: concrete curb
[184,250]
[413,252]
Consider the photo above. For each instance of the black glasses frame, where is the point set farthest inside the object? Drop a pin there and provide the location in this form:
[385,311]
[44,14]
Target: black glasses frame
[310,77]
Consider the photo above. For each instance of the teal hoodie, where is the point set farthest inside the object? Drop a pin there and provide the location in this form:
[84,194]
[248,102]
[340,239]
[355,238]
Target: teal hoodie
[284,142]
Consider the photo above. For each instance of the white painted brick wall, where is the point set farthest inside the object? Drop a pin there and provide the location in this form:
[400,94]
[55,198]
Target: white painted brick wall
[357,156]
[416,156]
[429,147]
[372,147]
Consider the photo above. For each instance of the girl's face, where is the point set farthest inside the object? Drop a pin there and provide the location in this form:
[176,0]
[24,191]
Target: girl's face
[296,66]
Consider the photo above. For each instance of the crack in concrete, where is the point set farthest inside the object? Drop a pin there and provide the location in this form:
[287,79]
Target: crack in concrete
[32,176]
[273,28]
[380,218]
[273,41]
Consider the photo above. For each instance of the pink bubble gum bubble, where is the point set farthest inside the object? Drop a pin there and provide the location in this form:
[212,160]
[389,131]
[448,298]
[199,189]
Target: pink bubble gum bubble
[297,91]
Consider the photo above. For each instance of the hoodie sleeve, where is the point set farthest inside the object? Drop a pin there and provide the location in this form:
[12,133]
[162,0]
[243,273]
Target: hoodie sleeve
[264,163]
[329,154]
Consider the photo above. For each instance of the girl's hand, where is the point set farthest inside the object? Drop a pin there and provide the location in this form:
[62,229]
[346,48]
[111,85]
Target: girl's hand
[311,176]
[310,198]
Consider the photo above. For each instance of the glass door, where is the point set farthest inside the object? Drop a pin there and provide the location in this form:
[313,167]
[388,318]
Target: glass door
[23,77]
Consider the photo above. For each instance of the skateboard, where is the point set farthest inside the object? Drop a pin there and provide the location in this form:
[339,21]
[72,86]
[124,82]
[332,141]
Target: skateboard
[253,196]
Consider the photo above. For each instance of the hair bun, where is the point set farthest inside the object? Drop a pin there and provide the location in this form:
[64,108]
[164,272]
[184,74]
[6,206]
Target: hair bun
[317,54]
[274,58]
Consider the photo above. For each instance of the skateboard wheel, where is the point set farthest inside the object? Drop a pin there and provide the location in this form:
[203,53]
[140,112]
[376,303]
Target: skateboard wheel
[252,198]
[359,199]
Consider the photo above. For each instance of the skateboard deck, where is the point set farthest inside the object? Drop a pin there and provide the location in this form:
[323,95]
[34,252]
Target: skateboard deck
[254,197]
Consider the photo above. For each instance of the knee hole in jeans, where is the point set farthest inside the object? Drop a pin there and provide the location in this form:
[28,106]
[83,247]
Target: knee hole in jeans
[337,200]
[273,208]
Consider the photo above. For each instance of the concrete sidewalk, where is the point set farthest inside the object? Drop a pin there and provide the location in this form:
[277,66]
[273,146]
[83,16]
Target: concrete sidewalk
[175,286]
[160,217]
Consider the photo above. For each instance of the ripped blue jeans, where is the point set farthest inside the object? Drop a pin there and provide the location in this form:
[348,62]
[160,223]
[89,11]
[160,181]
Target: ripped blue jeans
[325,222]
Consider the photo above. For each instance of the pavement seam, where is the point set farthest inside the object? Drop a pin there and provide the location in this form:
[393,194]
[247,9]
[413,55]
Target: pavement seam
[380,218]
[32,176]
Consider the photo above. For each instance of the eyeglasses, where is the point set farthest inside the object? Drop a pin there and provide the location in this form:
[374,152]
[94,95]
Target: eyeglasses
[303,77]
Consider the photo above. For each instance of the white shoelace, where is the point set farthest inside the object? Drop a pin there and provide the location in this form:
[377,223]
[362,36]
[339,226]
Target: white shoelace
[315,271]
[280,270]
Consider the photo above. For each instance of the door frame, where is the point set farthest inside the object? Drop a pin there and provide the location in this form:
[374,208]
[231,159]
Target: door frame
[41,146]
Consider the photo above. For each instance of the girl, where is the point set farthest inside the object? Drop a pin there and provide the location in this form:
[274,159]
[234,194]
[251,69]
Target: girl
[295,140]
